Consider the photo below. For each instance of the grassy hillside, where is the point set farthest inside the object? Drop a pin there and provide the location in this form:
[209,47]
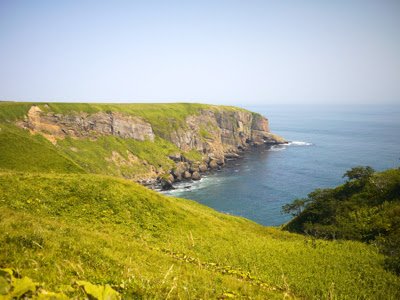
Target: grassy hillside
[21,151]
[366,208]
[58,228]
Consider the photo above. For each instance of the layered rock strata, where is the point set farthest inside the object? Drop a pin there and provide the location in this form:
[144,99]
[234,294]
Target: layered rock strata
[83,125]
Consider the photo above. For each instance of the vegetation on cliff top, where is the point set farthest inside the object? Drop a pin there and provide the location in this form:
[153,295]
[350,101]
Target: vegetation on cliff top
[160,115]
[59,229]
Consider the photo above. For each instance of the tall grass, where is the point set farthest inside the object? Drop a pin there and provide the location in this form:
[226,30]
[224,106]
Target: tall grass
[111,231]
[20,151]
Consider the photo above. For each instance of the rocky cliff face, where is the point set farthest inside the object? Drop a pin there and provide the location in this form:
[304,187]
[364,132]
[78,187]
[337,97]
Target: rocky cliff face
[82,125]
[217,133]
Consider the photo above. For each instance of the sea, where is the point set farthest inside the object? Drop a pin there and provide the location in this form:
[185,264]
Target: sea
[325,142]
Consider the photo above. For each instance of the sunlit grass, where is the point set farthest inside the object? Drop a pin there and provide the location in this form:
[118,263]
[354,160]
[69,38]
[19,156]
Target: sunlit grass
[111,231]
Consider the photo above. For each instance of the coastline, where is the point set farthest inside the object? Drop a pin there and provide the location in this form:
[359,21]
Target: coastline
[168,181]
[251,187]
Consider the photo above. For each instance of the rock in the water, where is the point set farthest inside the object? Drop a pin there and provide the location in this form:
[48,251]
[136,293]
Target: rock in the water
[166,182]
[213,164]
[179,169]
[196,176]
[232,155]
[171,178]
[220,161]
[194,168]
[203,168]
[187,175]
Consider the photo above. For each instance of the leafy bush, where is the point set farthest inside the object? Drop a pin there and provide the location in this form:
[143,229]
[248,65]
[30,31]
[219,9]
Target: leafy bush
[360,173]
[366,208]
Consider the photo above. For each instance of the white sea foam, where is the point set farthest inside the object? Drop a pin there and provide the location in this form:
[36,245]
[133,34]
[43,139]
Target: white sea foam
[189,185]
[207,180]
[277,148]
[281,147]
[296,143]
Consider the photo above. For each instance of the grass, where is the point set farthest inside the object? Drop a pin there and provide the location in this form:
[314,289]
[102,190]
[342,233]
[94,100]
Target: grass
[56,228]
[12,111]
[96,156]
[20,151]
[204,133]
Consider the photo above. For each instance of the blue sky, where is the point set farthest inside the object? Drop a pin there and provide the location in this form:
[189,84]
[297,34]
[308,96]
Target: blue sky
[219,52]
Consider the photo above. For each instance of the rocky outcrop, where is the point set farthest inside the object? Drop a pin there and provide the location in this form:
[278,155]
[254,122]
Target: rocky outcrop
[83,125]
[166,181]
[196,176]
[203,168]
[219,132]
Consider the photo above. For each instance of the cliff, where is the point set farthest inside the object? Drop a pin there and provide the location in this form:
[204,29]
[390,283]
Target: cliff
[82,125]
[200,138]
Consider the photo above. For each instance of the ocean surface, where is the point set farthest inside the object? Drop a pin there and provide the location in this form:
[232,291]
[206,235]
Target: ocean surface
[326,141]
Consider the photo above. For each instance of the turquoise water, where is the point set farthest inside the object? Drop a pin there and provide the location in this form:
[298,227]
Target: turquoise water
[327,141]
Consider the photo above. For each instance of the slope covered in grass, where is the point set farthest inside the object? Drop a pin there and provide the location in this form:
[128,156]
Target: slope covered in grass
[55,228]
[20,151]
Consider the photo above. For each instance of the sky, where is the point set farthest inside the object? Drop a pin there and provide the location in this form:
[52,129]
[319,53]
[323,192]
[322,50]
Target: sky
[218,52]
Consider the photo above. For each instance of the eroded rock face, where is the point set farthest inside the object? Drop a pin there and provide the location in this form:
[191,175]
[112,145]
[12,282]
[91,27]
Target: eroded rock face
[212,132]
[82,125]
[196,176]
[218,132]
[213,165]
[203,168]
[187,175]
[166,182]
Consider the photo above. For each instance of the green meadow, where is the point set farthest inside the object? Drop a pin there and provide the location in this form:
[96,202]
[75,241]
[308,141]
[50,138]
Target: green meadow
[58,229]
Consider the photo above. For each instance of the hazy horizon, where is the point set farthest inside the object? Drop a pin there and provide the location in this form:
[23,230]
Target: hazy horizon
[216,52]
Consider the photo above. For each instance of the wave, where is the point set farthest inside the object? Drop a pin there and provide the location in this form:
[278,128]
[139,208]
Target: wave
[210,179]
[189,185]
[277,148]
[296,143]
[281,147]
